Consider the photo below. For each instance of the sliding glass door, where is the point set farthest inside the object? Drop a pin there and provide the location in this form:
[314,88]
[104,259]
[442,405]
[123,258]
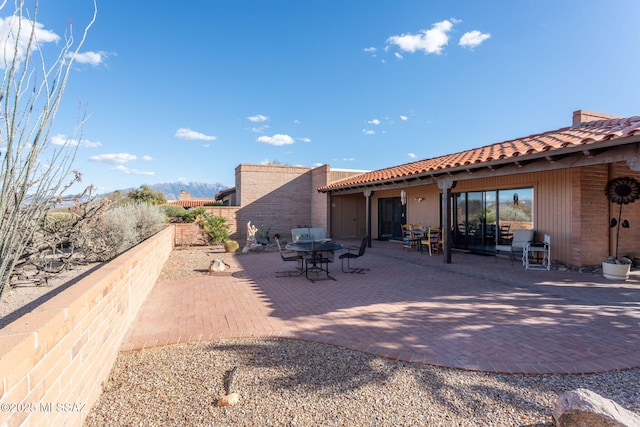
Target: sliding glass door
[483,218]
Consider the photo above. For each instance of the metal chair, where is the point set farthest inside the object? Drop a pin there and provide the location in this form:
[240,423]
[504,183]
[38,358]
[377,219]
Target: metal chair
[537,255]
[351,255]
[518,243]
[297,258]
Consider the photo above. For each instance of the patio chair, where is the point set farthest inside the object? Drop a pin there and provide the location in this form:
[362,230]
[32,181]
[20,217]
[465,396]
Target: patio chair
[432,240]
[290,258]
[505,235]
[518,243]
[537,255]
[352,255]
[408,239]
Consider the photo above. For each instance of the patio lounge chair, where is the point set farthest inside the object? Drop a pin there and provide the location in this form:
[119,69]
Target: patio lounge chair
[519,241]
[351,255]
[290,256]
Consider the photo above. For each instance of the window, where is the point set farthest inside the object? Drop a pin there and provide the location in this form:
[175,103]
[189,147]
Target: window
[480,221]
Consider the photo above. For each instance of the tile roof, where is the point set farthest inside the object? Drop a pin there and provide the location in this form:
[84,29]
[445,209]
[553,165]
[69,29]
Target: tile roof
[510,151]
[191,203]
[223,193]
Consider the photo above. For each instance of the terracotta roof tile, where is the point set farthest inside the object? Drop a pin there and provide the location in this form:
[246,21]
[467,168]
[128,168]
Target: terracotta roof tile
[191,203]
[583,134]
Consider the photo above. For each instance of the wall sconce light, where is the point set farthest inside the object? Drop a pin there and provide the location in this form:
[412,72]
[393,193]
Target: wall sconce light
[419,199]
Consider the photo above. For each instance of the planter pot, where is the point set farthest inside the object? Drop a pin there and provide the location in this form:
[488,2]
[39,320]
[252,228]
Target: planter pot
[231,246]
[616,271]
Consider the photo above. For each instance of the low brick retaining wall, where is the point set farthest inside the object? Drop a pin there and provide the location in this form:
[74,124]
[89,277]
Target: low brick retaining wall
[54,359]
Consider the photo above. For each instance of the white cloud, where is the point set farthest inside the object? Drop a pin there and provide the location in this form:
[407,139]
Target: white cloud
[260,129]
[116,159]
[147,158]
[296,122]
[258,118]
[91,58]
[368,132]
[473,39]
[277,139]
[398,55]
[191,135]
[404,118]
[428,41]
[14,44]
[61,139]
[303,139]
[374,122]
[348,159]
[371,51]
[412,155]
[128,171]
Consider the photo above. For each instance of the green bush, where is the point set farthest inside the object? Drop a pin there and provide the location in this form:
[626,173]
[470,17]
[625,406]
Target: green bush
[215,228]
[194,214]
[174,211]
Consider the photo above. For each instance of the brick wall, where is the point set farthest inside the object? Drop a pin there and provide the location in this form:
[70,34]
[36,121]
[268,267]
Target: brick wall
[230,213]
[629,237]
[188,234]
[61,352]
[273,195]
[593,240]
[320,201]
[589,212]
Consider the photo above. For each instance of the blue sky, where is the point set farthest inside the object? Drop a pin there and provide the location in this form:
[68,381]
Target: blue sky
[189,91]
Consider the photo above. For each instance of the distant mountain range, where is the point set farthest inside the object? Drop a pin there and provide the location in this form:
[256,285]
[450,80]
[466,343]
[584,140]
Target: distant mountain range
[171,190]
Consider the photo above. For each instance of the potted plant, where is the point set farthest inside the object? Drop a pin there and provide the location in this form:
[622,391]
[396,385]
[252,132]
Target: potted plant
[621,191]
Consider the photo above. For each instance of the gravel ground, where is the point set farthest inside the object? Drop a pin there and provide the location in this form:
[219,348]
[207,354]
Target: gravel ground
[296,383]
[25,295]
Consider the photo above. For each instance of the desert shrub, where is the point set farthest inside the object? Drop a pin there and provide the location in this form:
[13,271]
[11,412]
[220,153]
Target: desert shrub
[194,214]
[515,213]
[174,211]
[215,228]
[149,219]
[121,228]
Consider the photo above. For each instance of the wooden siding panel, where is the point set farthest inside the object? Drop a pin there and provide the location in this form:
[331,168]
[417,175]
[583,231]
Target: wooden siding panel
[553,212]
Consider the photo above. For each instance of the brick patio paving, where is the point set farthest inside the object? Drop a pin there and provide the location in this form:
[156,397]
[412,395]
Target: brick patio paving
[475,314]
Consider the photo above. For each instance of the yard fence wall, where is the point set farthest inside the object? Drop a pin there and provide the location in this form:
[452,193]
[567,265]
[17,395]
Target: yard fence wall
[55,359]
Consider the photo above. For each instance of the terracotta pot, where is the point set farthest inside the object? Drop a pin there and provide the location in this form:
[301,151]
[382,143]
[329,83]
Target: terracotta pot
[231,246]
[616,271]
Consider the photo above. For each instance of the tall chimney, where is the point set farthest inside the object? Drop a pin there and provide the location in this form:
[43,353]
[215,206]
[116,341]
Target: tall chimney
[584,116]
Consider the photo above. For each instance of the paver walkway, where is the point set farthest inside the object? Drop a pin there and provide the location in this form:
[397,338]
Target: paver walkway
[474,314]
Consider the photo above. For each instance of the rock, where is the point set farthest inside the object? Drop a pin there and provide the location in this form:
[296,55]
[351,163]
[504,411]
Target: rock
[584,408]
[218,265]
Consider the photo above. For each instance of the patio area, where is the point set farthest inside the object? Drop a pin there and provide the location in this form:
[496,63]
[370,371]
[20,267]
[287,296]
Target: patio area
[474,314]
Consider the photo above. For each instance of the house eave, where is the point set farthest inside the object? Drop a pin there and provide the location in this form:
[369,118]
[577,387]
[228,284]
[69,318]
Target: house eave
[608,151]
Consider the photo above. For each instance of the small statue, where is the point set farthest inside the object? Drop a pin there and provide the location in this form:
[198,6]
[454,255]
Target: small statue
[251,238]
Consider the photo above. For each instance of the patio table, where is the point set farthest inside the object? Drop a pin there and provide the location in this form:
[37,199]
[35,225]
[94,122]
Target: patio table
[315,257]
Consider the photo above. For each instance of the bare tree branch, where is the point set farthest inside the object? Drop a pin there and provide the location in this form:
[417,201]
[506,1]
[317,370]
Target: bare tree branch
[34,172]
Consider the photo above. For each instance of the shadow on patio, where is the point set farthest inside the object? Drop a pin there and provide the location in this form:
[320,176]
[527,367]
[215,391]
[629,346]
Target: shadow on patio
[475,314]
